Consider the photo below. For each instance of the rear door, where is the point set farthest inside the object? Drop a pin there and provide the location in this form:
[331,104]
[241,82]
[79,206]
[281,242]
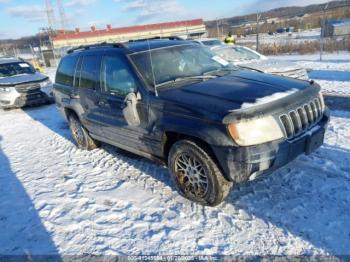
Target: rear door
[63,87]
[87,86]
[117,80]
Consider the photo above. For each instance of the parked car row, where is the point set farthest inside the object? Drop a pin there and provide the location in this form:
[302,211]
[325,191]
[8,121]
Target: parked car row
[212,123]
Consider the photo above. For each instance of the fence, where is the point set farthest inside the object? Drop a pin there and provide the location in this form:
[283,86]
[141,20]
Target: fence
[29,53]
[305,42]
[25,53]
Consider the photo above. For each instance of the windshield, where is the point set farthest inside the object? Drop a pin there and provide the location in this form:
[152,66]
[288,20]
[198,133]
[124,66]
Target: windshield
[13,69]
[177,62]
[236,53]
[212,42]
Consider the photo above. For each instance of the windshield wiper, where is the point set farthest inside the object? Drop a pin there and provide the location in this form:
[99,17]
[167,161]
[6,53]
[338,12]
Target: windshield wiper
[184,78]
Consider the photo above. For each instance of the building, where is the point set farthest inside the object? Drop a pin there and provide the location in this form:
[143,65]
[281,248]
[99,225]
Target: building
[336,28]
[191,28]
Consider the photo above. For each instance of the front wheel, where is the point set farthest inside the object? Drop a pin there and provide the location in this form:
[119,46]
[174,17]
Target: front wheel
[196,175]
[81,135]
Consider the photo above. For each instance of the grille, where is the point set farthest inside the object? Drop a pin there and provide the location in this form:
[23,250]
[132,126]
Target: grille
[23,88]
[31,97]
[299,120]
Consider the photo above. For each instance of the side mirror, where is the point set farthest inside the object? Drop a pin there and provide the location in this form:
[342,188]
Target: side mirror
[130,112]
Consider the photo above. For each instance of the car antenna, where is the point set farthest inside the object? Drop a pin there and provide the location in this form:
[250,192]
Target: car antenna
[153,75]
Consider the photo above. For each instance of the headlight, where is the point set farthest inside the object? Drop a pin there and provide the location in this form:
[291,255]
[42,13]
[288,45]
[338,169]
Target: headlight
[5,89]
[45,83]
[256,131]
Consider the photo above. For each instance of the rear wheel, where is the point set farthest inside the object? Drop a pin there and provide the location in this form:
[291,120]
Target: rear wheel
[81,135]
[196,175]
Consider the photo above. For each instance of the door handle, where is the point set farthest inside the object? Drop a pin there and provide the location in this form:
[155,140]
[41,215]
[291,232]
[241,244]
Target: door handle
[74,96]
[102,103]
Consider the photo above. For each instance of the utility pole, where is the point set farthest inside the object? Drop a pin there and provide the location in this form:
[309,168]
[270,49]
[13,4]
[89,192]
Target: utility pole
[323,28]
[49,33]
[222,29]
[217,28]
[258,16]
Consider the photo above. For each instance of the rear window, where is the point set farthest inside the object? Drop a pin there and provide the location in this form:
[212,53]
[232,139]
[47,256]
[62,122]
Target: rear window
[13,69]
[90,71]
[65,72]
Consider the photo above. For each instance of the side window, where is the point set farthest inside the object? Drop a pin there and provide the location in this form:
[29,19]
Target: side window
[116,78]
[65,72]
[90,71]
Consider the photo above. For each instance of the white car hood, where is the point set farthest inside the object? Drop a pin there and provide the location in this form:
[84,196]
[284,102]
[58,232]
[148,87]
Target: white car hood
[270,65]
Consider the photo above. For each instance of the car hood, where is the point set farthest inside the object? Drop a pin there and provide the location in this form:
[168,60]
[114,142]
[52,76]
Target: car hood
[21,79]
[270,65]
[231,92]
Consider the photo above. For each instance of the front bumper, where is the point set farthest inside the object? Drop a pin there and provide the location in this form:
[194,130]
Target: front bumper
[244,163]
[15,99]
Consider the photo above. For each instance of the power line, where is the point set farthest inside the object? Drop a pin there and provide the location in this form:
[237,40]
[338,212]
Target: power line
[50,14]
[63,18]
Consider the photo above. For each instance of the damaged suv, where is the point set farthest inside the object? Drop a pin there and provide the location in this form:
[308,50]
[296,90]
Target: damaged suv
[21,85]
[213,124]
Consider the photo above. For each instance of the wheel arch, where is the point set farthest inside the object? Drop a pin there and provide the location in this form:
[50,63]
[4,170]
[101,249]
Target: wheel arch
[171,137]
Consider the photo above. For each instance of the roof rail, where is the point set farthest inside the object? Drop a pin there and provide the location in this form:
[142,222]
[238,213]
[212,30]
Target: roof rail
[104,44]
[157,38]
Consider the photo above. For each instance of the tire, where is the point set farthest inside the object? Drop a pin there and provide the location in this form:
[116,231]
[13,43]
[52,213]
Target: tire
[196,175]
[80,135]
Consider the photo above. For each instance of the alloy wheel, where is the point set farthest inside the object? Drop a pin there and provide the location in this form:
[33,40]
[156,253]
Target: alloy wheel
[191,175]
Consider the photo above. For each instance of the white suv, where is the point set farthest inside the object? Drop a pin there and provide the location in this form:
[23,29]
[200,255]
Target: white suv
[22,85]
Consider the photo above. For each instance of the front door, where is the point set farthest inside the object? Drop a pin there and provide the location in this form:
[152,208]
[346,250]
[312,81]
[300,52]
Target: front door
[116,82]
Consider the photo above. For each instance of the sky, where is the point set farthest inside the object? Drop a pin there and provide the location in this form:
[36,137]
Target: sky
[25,17]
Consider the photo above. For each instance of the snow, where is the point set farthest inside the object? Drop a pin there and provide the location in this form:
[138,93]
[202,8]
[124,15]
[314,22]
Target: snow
[268,99]
[55,198]
[51,73]
[332,73]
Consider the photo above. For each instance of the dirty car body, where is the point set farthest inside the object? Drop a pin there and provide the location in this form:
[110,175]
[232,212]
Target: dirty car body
[21,85]
[233,114]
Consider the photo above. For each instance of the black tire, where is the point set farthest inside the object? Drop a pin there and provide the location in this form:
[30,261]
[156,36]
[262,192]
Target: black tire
[201,181]
[80,135]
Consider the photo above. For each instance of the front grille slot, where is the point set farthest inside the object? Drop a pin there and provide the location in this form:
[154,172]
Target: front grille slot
[288,125]
[24,88]
[302,118]
[309,114]
[296,121]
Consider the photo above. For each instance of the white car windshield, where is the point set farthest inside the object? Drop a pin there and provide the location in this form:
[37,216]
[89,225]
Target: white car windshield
[236,53]
[13,69]
[178,62]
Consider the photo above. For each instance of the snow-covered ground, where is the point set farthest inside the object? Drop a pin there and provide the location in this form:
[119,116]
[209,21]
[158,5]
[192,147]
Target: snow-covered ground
[55,198]
[332,73]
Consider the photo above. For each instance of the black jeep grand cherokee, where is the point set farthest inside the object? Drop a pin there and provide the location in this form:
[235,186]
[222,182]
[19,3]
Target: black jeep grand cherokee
[175,101]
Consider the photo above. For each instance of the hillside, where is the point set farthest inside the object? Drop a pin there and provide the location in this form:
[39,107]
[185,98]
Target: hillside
[285,13]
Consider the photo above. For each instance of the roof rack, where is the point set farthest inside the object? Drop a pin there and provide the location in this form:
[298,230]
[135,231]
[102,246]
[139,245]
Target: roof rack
[157,38]
[104,44]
